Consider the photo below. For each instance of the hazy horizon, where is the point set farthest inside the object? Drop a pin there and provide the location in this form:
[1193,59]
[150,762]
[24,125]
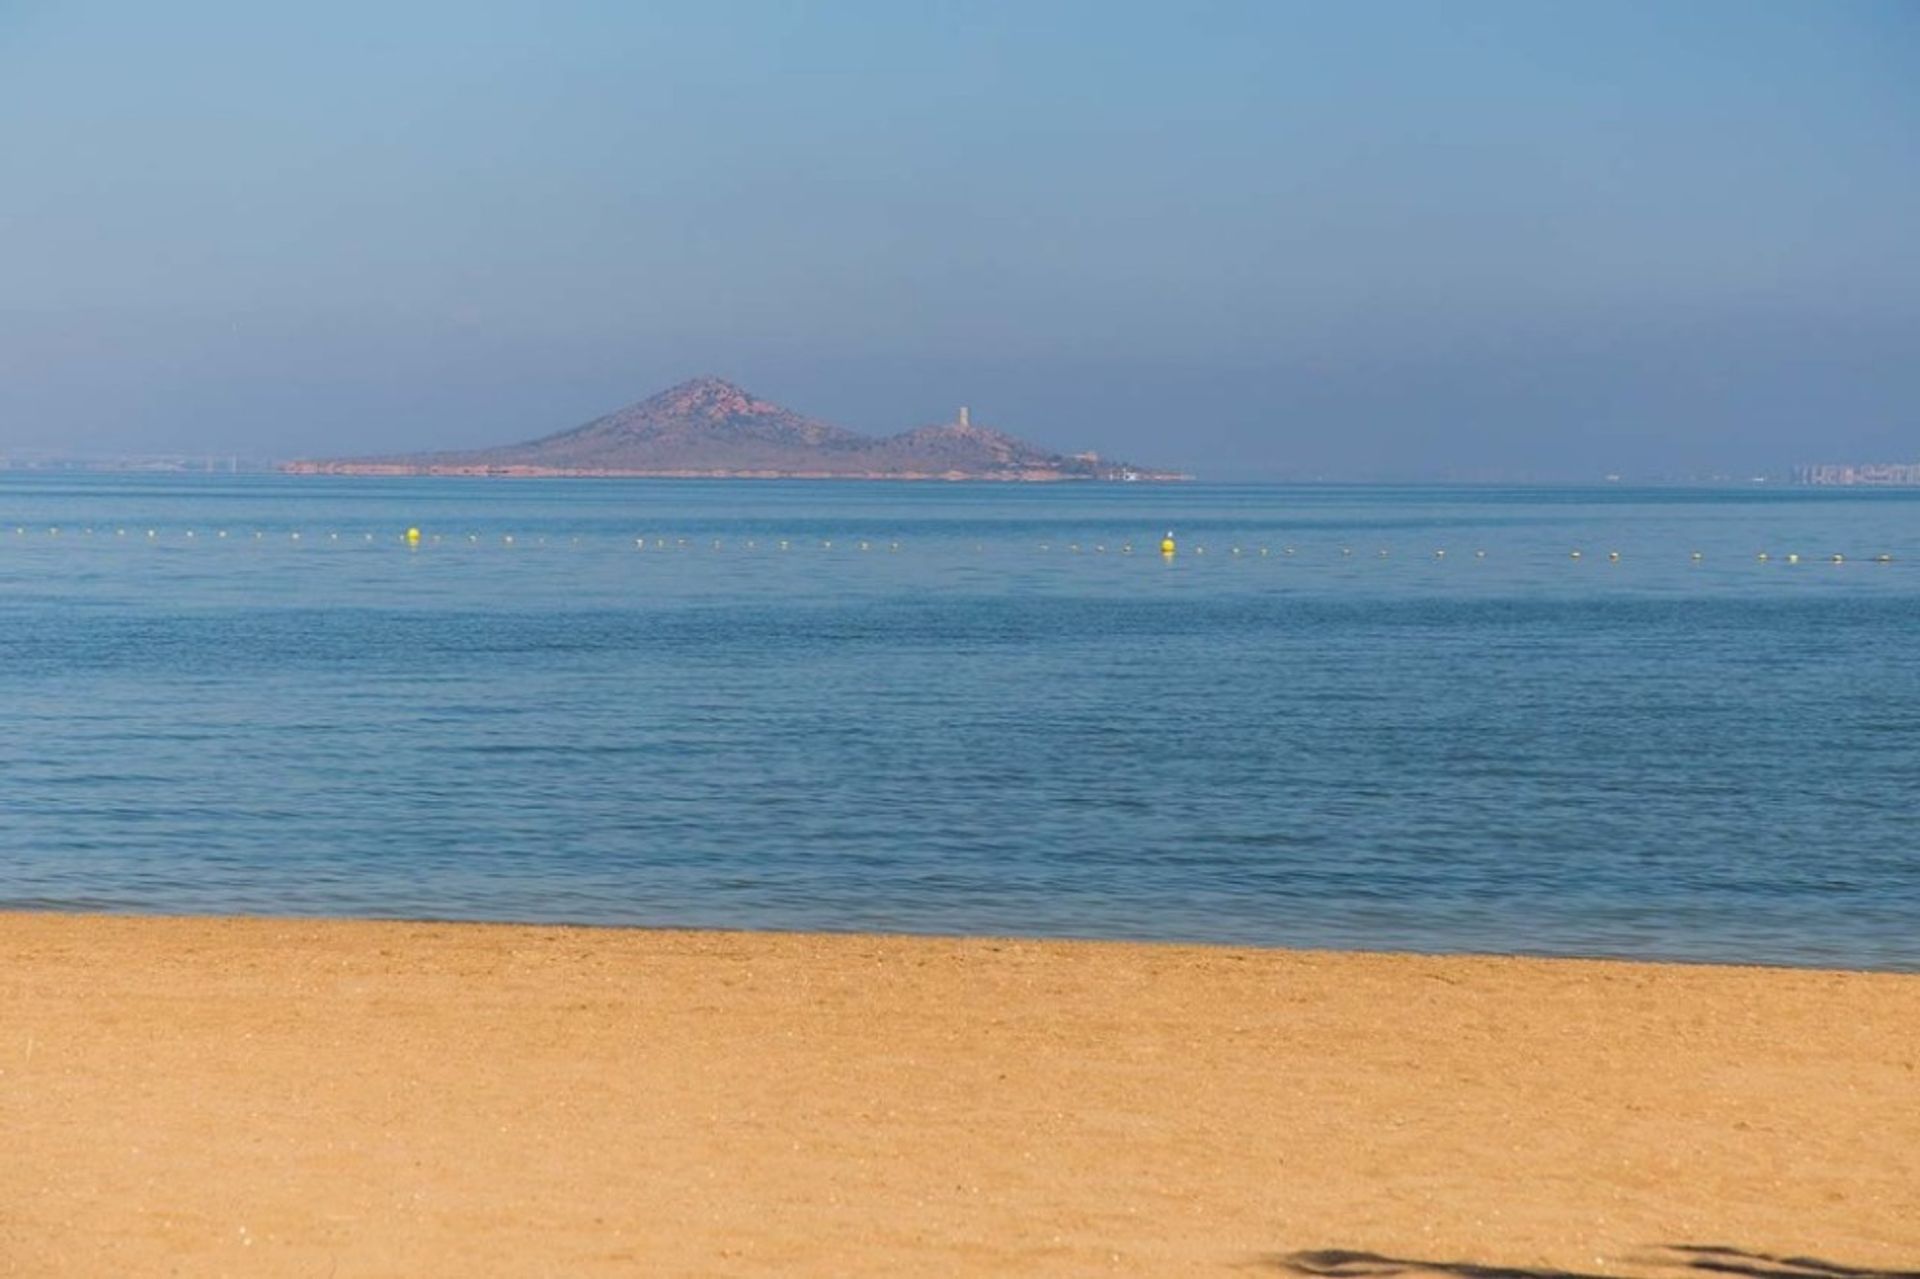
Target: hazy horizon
[1381,240]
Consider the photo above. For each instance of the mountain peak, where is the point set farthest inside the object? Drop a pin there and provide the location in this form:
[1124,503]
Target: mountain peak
[713,398]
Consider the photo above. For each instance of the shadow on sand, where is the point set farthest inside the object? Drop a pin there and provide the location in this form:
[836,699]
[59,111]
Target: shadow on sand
[1337,1263]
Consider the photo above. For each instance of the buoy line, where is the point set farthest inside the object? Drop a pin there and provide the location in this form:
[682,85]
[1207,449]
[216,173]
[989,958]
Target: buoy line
[1170,548]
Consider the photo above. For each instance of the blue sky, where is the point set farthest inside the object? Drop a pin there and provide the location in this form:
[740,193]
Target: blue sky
[1483,240]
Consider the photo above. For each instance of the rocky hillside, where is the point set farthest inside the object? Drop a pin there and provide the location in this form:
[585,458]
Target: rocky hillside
[709,427]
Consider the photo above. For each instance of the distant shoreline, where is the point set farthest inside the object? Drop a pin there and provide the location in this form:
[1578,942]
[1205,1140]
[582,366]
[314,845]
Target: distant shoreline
[400,471]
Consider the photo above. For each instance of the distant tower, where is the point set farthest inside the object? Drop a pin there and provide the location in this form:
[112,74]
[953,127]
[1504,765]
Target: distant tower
[963,416]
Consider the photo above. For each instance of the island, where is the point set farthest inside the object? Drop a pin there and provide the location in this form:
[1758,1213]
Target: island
[711,429]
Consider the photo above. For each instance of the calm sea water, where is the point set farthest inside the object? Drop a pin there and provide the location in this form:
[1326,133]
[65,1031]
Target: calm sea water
[967,709]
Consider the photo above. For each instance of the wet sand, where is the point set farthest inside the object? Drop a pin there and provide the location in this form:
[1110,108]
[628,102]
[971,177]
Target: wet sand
[272,1098]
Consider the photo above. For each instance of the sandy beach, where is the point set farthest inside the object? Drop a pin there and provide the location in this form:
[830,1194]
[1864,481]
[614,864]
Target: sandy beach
[273,1098]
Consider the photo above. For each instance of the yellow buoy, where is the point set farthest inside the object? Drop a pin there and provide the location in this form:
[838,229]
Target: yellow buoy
[413,537]
[1167,546]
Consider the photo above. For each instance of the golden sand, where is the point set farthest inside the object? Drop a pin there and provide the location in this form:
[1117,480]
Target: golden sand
[272,1098]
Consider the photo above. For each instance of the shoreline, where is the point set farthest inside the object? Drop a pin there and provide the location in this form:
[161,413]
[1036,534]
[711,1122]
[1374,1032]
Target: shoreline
[1656,960]
[406,471]
[269,1095]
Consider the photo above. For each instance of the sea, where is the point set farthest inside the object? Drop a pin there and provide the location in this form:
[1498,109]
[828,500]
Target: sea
[1657,723]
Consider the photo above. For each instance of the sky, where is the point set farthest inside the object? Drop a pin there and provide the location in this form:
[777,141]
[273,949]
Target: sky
[1354,240]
